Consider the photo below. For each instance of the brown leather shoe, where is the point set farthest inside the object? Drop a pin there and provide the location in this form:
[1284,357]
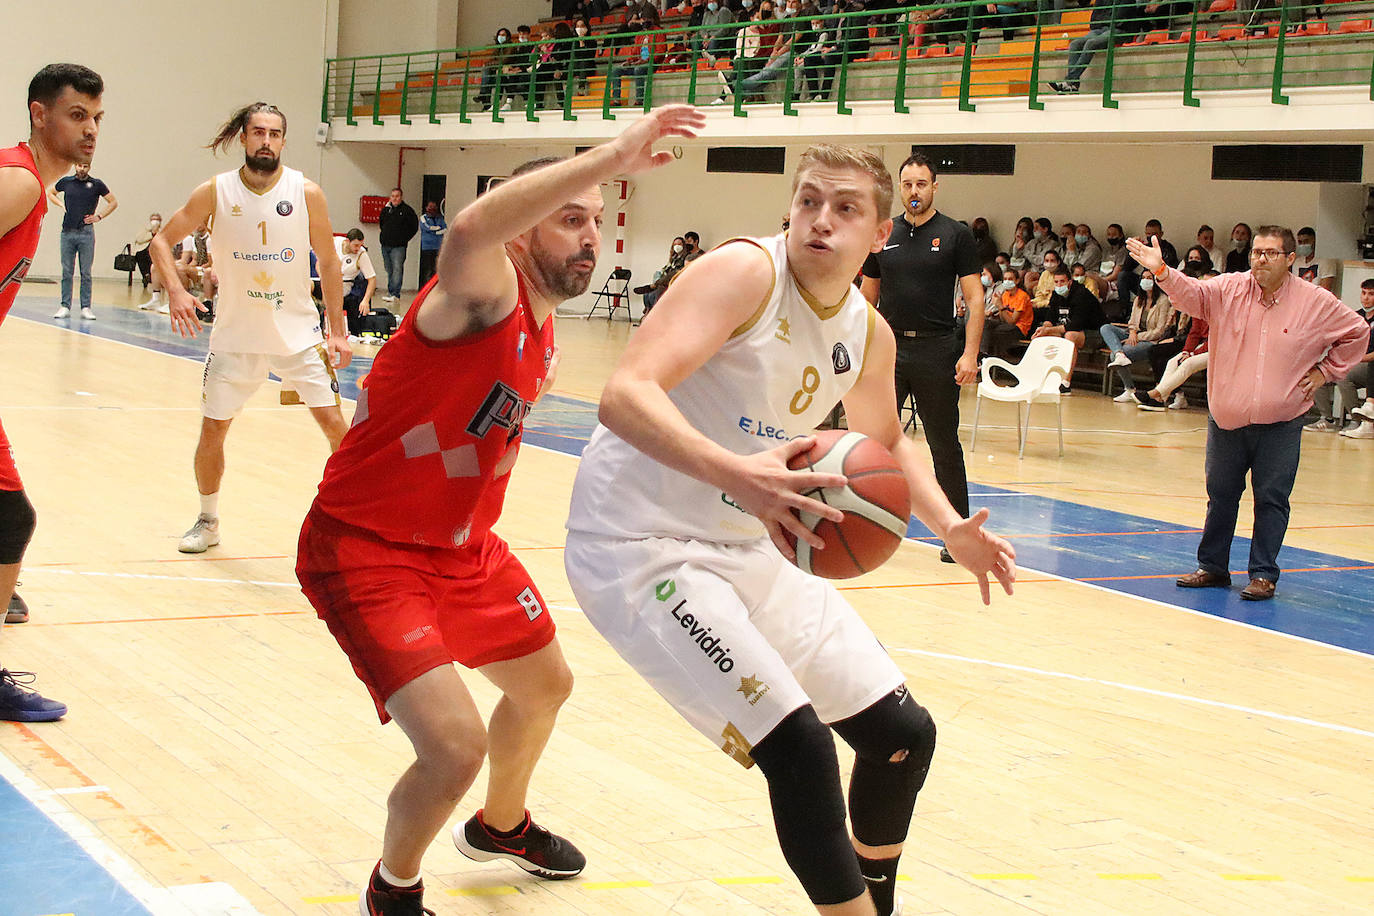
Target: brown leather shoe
[1258,590]
[1204,579]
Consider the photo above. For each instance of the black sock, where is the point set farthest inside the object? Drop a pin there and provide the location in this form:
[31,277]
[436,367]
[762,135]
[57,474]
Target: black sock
[507,834]
[881,877]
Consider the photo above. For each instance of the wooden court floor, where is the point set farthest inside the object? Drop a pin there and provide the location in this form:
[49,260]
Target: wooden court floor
[1099,754]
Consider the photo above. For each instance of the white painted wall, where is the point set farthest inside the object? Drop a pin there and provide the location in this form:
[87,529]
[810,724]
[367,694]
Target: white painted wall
[167,90]
[478,20]
[388,26]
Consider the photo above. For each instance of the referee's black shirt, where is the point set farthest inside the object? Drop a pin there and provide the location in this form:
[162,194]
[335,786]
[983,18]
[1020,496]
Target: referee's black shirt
[919,267]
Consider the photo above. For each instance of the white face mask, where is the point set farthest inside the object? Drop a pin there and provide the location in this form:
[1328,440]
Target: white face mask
[677,249]
[1079,279]
[1147,284]
[581,30]
[1008,285]
[1061,290]
[1239,244]
[987,282]
[502,39]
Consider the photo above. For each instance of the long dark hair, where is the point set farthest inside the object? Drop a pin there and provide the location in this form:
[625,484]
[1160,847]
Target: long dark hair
[238,121]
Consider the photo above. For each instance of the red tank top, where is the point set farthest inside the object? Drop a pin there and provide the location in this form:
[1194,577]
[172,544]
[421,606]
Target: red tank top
[436,431]
[18,245]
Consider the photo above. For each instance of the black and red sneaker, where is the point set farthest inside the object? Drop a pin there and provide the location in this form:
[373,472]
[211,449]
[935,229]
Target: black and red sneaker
[382,899]
[534,849]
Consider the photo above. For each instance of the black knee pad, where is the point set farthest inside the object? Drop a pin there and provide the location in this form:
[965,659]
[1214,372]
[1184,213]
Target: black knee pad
[17,522]
[893,742]
[798,759]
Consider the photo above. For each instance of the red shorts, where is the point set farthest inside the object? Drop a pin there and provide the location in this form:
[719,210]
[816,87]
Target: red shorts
[9,474]
[399,610]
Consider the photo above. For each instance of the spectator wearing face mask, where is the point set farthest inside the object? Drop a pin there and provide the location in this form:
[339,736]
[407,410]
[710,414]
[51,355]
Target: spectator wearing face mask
[1238,258]
[1198,258]
[677,260]
[1042,240]
[1010,318]
[493,69]
[1088,249]
[716,35]
[692,247]
[1044,287]
[1078,318]
[583,56]
[140,246]
[1309,267]
[647,53]
[1091,280]
[1152,319]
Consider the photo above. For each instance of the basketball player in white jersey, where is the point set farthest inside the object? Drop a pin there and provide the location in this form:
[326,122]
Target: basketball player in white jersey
[264,220]
[680,491]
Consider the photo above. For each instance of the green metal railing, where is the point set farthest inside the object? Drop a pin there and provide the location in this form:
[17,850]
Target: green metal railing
[958,51]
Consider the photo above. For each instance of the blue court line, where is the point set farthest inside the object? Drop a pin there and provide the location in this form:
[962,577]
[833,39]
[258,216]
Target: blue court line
[61,877]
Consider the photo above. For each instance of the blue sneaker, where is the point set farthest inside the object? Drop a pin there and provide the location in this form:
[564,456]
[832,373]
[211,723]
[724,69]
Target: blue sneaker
[18,704]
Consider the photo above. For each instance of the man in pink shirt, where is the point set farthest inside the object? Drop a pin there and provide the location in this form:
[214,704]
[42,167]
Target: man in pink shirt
[1273,341]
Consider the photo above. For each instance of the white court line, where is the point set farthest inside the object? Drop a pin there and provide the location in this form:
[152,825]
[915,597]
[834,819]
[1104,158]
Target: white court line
[212,899]
[1167,694]
[75,790]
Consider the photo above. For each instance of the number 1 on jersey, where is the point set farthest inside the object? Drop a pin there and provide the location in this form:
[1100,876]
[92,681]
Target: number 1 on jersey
[263,226]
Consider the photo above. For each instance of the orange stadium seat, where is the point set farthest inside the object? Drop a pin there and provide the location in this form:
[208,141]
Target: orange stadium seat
[1357,25]
[1221,6]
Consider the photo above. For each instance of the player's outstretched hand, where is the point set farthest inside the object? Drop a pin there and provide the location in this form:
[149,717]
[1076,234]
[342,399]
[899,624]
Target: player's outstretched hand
[339,349]
[183,307]
[768,489]
[635,147]
[1148,256]
[981,552]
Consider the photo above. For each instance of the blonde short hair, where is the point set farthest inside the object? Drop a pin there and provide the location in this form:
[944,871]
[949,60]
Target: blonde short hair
[827,155]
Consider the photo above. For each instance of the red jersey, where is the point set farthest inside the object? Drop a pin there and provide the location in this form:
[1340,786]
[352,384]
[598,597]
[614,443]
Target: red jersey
[437,429]
[18,245]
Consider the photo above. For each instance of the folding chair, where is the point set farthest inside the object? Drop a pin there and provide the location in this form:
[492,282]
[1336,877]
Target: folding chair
[614,294]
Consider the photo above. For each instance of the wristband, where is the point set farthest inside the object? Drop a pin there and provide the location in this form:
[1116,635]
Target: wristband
[1161,272]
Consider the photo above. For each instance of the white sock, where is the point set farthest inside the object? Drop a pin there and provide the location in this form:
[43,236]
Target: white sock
[209,505]
[394,881]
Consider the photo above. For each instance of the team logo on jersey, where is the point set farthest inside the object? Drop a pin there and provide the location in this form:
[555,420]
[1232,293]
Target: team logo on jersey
[284,207]
[935,244]
[784,331]
[288,255]
[235,210]
[752,688]
[840,357]
[502,407]
[16,274]
[736,745]
[263,279]
[665,589]
[700,634]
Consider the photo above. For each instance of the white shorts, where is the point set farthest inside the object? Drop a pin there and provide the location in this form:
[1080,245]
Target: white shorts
[733,636]
[230,379]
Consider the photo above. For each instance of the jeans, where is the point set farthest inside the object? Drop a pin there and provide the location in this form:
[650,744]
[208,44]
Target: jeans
[925,372]
[1082,49]
[1269,451]
[639,72]
[77,243]
[1113,337]
[394,257]
[1359,377]
[758,82]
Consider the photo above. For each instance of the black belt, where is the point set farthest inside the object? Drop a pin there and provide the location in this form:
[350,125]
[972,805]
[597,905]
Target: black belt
[923,334]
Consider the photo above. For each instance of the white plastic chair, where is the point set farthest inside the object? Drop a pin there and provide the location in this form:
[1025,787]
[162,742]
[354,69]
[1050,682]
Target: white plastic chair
[1043,368]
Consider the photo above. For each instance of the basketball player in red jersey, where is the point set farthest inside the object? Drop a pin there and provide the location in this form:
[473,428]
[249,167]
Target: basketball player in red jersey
[397,554]
[64,120]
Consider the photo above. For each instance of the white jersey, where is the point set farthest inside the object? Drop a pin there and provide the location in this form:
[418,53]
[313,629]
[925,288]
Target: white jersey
[260,246]
[775,379]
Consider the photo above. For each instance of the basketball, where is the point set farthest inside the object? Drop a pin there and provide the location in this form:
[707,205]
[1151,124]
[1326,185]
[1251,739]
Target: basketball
[876,505]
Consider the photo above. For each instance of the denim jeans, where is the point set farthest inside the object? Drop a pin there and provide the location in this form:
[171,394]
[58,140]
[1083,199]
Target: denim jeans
[394,257]
[1114,338]
[1082,49]
[77,243]
[1269,452]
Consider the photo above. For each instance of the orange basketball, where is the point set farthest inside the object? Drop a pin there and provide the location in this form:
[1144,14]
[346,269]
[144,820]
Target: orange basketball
[876,505]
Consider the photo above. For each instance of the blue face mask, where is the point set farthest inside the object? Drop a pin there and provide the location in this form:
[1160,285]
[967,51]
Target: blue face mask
[987,282]
[502,39]
[1061,290]
[1081,239]
[713,6]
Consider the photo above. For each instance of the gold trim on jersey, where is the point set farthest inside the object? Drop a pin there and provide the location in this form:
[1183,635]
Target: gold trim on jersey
[822,311]
[868,339]
[758,312]
[281,173]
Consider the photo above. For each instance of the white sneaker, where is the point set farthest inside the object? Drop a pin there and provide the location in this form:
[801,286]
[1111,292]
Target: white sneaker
[1120,359]
[88,314]
[1127,397]
[203,535]
[354,340]
[1365,411]
[1322,426]
[1179,402]
[62,312]
[1364,431]
[164,309]
[388,298]
[149,302]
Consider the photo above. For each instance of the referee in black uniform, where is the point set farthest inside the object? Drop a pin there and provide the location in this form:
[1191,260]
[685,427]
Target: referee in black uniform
[912,282]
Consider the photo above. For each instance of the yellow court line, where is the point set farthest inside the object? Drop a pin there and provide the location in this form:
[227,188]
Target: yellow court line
[1360,879]
[748,879]
[615,885]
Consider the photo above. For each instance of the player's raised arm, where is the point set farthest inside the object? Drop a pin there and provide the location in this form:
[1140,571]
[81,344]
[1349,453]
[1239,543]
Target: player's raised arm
[870,408]
[331,277]
[197,211]
[473,269]
[693,320]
